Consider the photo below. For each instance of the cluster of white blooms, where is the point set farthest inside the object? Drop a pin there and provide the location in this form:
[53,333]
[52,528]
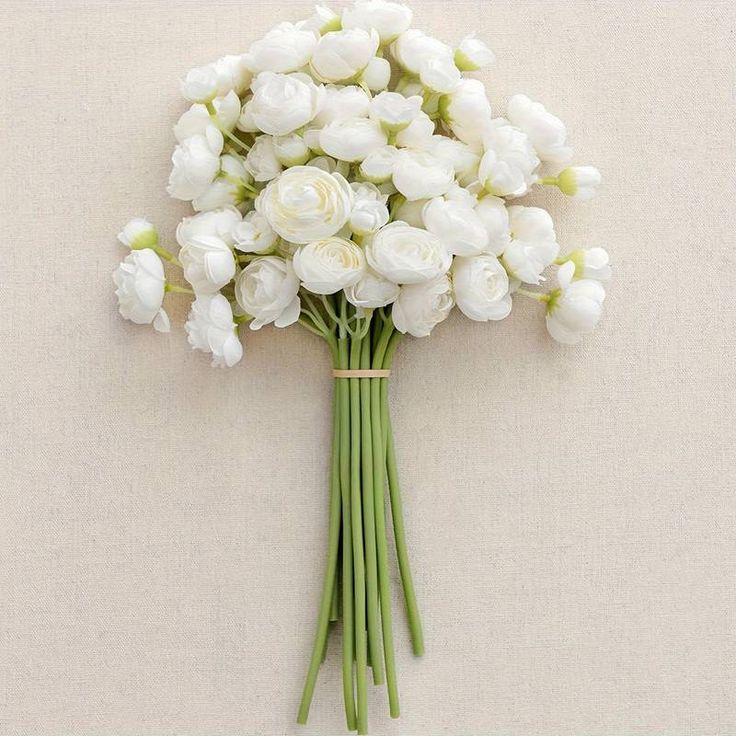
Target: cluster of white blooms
[352,154]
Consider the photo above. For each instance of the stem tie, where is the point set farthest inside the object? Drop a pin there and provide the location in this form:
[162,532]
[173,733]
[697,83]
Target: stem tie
[361,373]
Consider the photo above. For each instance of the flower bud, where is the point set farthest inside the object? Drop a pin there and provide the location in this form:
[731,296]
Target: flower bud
[579,182]
[472,54]
[200,84]
[139,234]
[377,74]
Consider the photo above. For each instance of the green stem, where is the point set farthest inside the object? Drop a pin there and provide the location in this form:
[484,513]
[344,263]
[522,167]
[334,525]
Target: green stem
[174,289]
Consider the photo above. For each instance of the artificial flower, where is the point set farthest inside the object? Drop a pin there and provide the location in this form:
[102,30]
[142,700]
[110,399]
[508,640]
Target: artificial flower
[533,244]
[262,163]
[508,165]
[419,175]
[208,263]
[369,212]
[327,266]
[579,182]
[457,225]
[353,139]
[254,235]
[378,166]
[394,111]
[342,103]
[495,217]
[481,287]
[342,55]
[267,290]
[196,162]
[197,119]
[141,286]
[472,54]
[467,111]
[546,132]
[228,189]
[285,48]
[139,233]
[210,328]
[589,263]
[388,19]
[200,84]
[419,308]
[218,223]
[291,150]
[377,75]
[372,291]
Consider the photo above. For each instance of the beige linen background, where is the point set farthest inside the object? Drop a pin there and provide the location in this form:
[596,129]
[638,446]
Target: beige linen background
[571,511]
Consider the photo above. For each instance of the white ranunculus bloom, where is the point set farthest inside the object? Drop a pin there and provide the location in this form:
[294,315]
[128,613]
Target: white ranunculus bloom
[281,103]
[579,182]
[261,162]
[411,212]
[457,225]
[322,21]
[508,165]
[196,119]
[461,195]
[419,308]
[285,48]
[342,55]
[463,158]
[533,246]
[378,166]
[342,103]
[254,234]
[291,150]
[267,289]
[141,285]
[467,111]
[196,162]
[406,255]
[388,19]
[377,74]
[369,211]
[352,140]
[472,54]
[440,75]
[326,266]
[200,84]
[574,309]
[210,328]
[590,263]
[419,175]
[139,233]
[429,59]
[372,291]
[418,134]
[227,189]
[330,165]
[495,217]
[208,263]
[306,204]
[394,111]
[218,223]
[546,132]
[481,287]
[233,75]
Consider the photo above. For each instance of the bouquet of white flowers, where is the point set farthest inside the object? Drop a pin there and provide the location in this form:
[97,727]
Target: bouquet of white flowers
[349,178]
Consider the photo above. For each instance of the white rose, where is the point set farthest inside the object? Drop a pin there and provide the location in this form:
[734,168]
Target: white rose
[139,233]
[419,308]
[388,19]
[306,204]
[267,289]
[575,308]
[352,140]
[372,291]
[378,166]
[342,55]
[533,246]
[419,175]
[326,266]
[218,223]
[590,263]
[210,328]
[227,189]
[281,103]
[342,103]
[283,49]
[418,134]
[254,234]
[481,287]
[291,150]
[508,165]
[196,162]
[208,263]
[457,225]
[428,58]
[546,132]
[495,217]
[394,111]
[200,84]
[196,119]
[232,75]
[377,75]
[369,211]
[472,54]
[261,162]
[322,21]
[467,111]
[406,255]
[579,182]
[141,286]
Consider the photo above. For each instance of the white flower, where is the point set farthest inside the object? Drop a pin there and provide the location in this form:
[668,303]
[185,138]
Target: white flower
[419,175]
[575,308]
[420,307]
[200,84]
[410,212]
[138,234]
[418,134]
[481,287]
[281,103]
[463,158]
[457,225]
[472,54]
[208,263]
[590,263]
[261,162]
[372,291]
[210,328]
[533,246]
[394,111]
[196,119]
[369,211]
[546,132]
[330,165]
[467,111]
[306,204]
[285,48]
[267,289]
[254,234]
[352,140]
[377,74]
[141,286]
[322,21]
[196,162]
[342,103]
[495,217]
[291,150]
[232,75]
[326,266]
[579,182]
[378,166]
[389,19]
[342,55]
[440,75]
[508,165]
[407,255]
[227,189]
[218,223]
[429,58]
